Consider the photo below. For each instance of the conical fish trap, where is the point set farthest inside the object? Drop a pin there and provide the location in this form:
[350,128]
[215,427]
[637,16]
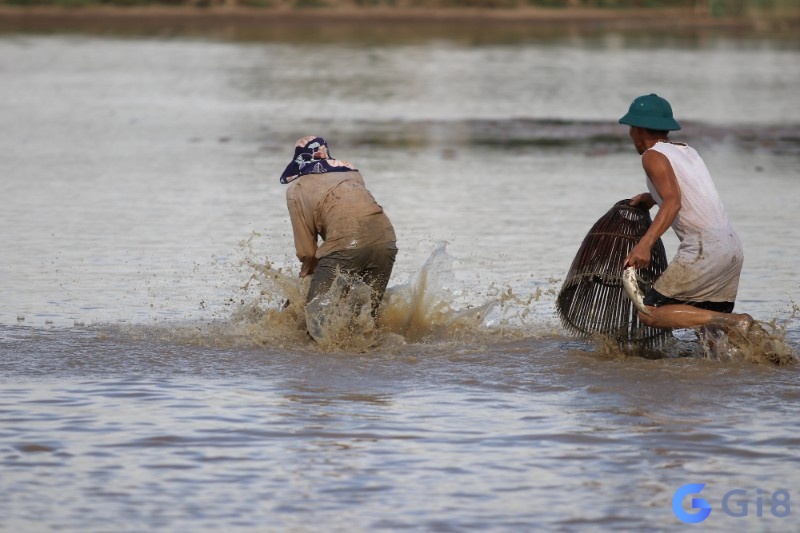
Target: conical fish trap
[592,299]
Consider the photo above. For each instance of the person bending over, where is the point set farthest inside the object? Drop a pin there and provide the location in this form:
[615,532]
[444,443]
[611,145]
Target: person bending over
[327,199]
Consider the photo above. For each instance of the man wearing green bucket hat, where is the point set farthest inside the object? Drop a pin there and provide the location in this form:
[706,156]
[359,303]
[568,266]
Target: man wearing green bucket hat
[698,288]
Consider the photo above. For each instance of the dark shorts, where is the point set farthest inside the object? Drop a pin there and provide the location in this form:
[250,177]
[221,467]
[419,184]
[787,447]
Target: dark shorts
[656,299]
[373,265]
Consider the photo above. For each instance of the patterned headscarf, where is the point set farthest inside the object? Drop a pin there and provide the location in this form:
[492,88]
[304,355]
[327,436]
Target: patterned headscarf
[311,156]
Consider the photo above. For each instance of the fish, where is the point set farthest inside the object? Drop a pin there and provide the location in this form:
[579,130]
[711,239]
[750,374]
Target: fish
[631,285]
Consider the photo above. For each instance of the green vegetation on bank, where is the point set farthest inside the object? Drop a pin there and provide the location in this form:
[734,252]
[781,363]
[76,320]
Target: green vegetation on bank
[708,7]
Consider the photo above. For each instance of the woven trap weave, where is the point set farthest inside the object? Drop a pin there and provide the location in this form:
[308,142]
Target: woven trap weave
[592,299]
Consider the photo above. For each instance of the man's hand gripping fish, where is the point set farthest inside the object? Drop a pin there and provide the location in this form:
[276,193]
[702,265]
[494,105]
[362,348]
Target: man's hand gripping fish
[632,290]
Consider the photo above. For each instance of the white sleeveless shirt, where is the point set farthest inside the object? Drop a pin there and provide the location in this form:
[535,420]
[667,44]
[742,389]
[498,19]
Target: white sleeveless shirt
[709,260]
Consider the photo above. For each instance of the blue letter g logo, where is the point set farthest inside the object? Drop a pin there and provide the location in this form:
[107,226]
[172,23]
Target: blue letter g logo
[697,503]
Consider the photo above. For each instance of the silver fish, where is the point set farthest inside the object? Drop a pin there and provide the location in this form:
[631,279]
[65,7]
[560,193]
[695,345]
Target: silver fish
[632,290]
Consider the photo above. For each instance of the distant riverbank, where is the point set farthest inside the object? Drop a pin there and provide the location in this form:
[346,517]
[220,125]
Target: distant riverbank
[318,19]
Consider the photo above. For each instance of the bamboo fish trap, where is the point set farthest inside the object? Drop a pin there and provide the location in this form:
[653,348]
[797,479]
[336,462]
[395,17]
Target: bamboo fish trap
[592,299]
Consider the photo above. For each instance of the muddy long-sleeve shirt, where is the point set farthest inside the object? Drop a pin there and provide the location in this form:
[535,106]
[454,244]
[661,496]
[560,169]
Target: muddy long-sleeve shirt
[337,207]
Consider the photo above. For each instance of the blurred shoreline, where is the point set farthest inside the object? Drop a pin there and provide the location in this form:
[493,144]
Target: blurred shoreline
[197,16]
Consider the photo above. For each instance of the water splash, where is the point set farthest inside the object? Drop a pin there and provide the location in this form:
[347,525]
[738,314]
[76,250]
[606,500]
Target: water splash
[610,347]
[424,308]
[342,317]
[432,306]
[763,343]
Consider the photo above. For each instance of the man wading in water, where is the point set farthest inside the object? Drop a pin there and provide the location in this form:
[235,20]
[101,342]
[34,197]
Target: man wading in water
[327,198]
[698,288]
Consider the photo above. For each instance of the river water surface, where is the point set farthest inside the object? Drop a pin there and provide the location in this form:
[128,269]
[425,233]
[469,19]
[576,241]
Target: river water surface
[150,381]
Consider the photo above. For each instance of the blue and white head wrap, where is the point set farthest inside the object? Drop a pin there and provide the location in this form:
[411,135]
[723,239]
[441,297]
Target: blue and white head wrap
[311,156]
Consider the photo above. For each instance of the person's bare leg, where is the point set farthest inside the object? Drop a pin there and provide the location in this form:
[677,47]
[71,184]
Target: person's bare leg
[678,316]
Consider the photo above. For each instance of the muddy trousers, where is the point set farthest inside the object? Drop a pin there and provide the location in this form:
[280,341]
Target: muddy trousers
[371,265]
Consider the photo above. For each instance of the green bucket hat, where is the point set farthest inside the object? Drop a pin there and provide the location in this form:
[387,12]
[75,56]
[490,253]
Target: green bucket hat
[652,112]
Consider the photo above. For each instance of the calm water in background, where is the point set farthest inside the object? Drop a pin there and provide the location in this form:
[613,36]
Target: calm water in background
[148,385]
